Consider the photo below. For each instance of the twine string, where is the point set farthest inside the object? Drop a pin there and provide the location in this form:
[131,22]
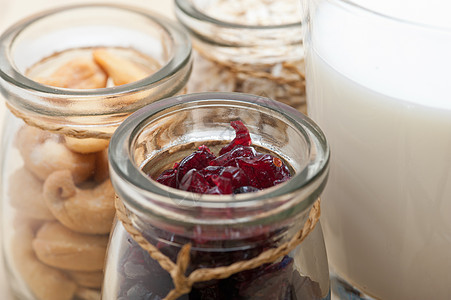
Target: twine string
[183,283]
[58,129]
[65,129]
[294,67]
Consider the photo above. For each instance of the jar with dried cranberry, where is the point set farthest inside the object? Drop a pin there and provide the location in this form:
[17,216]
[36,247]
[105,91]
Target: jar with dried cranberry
[70,76]
[247,46]
[217,199]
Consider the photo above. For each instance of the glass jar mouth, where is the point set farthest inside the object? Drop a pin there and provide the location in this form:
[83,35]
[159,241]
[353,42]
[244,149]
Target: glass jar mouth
[187,7]
[180,57]
[299,192]
[354,5]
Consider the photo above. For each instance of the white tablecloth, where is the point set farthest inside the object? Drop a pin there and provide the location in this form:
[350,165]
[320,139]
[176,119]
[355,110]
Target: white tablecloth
[14,10]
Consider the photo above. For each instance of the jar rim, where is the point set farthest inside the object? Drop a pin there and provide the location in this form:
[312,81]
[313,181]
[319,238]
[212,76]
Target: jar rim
[180,58]
[187,7]
[125,173]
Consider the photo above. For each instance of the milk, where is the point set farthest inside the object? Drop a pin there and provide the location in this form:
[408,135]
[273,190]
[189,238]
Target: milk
[381,91]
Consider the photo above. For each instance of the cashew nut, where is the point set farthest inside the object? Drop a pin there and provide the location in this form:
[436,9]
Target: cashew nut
[26,195]
[87,279]
[60,247]
[46,283]
[82,210]
[24,220]
[87,294]
[88,145]
[122,71]
[102,171]
[43,154]
[78,73]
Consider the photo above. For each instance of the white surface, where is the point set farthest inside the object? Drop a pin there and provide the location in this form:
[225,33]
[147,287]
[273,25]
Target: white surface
[14,10]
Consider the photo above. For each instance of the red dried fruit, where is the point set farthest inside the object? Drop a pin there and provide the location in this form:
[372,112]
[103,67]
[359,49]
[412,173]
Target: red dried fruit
[242,137]
[197,160]
[238,169]
[168,177]
[228,158]
[194,182]
[262,172]
[222,185]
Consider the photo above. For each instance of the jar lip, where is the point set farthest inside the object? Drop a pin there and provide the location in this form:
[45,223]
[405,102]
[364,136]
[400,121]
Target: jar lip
[181,55]
[187,7]
[124,172]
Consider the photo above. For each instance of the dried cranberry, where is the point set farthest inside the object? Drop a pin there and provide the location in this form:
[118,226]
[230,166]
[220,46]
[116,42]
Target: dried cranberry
[262,172]
[194,182]
[239,165]
[168,177]
[197,160]
[242,137]
[236,176]
[222,184]
[228,158]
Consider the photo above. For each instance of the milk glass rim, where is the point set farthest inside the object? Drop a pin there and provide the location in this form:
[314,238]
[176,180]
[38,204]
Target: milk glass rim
[187,7]
[181,54]
[127,177]
[352,4]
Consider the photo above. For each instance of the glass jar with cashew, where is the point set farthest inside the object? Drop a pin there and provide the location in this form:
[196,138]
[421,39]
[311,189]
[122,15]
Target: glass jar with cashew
[69,77]
[247,46]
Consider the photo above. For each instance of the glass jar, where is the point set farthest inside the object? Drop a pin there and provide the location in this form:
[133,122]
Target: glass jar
[57,199]
[378,84]
[221,229]
[250,46]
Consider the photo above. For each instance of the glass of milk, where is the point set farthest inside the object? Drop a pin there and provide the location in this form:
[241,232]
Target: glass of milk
[379,85]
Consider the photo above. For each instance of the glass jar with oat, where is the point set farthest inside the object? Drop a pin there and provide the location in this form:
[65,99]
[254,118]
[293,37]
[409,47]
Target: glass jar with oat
[249,46]
[69,77]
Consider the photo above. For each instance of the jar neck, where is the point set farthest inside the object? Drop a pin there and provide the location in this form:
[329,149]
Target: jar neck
[243,44]
[71,28]
[88,114]
[168,130]
[214,237]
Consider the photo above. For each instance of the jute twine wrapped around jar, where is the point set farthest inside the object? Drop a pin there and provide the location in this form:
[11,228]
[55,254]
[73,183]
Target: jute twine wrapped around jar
[57,128]
[283,81]
[182,283]
[63,129]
